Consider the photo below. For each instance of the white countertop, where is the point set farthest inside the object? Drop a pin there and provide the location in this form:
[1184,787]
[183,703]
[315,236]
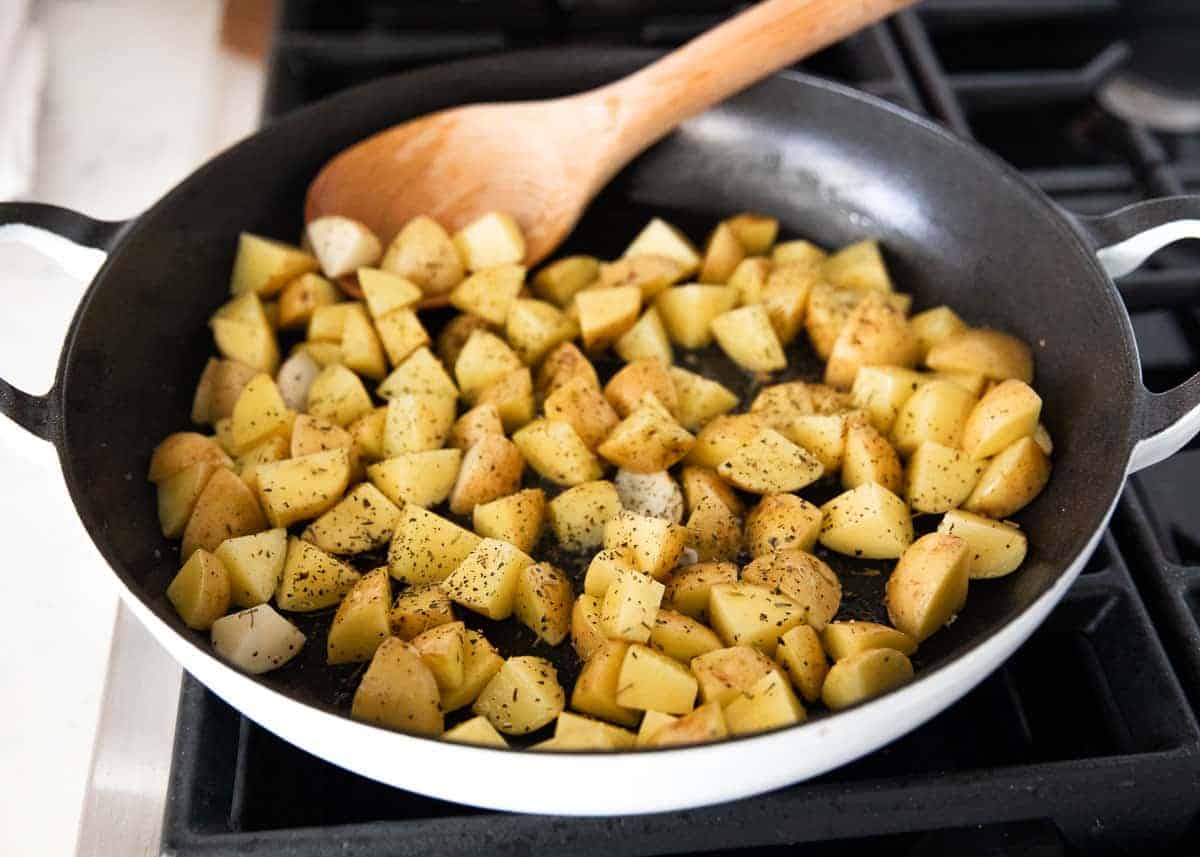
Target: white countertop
[138,94]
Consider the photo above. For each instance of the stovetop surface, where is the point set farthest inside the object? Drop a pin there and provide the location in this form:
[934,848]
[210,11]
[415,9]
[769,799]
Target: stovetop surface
[1103,761]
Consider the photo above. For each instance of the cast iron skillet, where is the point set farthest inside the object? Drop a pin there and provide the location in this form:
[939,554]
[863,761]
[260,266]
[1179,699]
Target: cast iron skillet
[959,227]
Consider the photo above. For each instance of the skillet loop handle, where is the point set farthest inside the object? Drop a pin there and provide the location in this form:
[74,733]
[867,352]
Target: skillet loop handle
[1124,240]
[73,240]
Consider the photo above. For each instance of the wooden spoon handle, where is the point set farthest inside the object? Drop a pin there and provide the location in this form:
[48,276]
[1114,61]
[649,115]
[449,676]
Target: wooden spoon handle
[644,107]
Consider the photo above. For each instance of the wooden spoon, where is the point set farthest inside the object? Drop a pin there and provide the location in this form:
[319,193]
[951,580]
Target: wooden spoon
[543,161]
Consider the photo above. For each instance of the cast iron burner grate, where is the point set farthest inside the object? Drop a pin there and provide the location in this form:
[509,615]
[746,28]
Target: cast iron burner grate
[1106,761]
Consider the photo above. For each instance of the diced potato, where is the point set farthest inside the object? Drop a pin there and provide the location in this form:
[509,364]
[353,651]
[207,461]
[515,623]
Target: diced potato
[490,292]
[721,256]
[324,353]
[543,602]
[750,278]
[492,240]
[586,632]
[513,397]
[218,389]
[342,245]
[515,518]
[312,579]
[177,496]
[687,312]
[328,322]
[652,495]
[699,399]
[312,434]
[881,391]
[223,432]
[651,724]
[296,375]
[868,457]
[256,640]
[785,298]
[725,673]
[416,423]
[604,568]
[556,451]
[928,587]
[973,382]
[338,395]
[423,253]
[606,314]
[200,591]
[560,280]
[301,488]
[423,478]
[755,232]
[646,376]
[827,400]
[533,328]
[1007,413]
[454,336]
[255,566]
[799,252]
[363,520]
[442,650]
[478,731]
[827,311]
[768,704]
[181,450]
[481,662]
[263,266]
[875,334]
[746,335]
[821,435]
[702,482]
[801,578]
[994,548]
[486,581]
[865,676]
[578,515]
[522,697]
[646,339]
[225,508]
[714,532]
[572,732]
[937,411]
[940,478]
[654,542]
[259,413]
[251,344]
[869,522]
[490,469]
[596,689]
[781,402]
[703,725]
[724,437]
[744,614]
[386,292]
[858,266]
[801,654]
[846,639]
[402,334]
[419,608]
[301,297]
[420,375]
[651,274]
[366,435]
[629,606]
[660,238]
[688,588]
[474,424]
[426,547]
[652,681]
[994,354]
[580,403]
[361,623]
[681,637]
[1009,483]
[932,326]
[562,364]
[770,464]
[782,522]
[648,440]
[484,360]
[398,691]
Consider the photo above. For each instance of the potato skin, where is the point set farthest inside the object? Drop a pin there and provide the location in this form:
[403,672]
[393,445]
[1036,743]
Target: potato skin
[928,587]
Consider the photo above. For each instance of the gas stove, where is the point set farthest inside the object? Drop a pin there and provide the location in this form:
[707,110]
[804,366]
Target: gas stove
[1106,761]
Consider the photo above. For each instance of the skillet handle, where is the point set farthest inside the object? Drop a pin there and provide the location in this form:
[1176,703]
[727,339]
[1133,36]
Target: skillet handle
[1124,240]
[79,244]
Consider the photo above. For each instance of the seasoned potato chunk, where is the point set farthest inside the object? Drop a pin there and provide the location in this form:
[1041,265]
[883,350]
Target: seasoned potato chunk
[801,654]
[654,543]
[427,547]
[687,312]
[768,704]
[312,579]
[688,588]
[652,681]
[579,514]
[702,482]
[542,601]
[181,450]
[312,434]
[647,338]
[650,273]
[781,402]
[579,402]
[713,531]
[301,297]
[705,723]
[513,398]
[587,635]
[994,548]
[421,374]
[940,478]
[561,280]
[274,449]
[478,731]
[523,696]
[780,522]
[744,614]
[255,565]
[556,451]
[398,691]
[572,732]
[423,253]
[338,395]
[470,427]
[386,292]
[596,689]
[361,623]
[652,495]
[606,314]
[749,278]
[881,391]
[928,587]
[401,334]
[256,640]
[423,478]
[858,266]
[486,581]
[844,639]
[177,496]
[1010,482]
[822,435]
[263,266]
[699,399]
[1006,413]
[681,637]
[629,606]
[868,457]
[301,488]
[491,240]
[660,238]
[484,360]
[746,335]
[242,332]
[218,389]
[362,349]
[991,353]
[771,464]
[937,411]
[342,245]
[864,676]
[442,650]
[259,414]
[515,518]
[416,422]
[200,591]
[651,723]
[785,298]
[647,376]
[723,437]
[755,232]
[648,440]
[868,521]
[561,365]
[490,469]
[722,255]
[489,293]
[875,334]
[481,662]
[801,578]
[224,509]
[725,673]
[604,568]
[933,325]
[363,520]
[419,608]
[534,327]
[828,309]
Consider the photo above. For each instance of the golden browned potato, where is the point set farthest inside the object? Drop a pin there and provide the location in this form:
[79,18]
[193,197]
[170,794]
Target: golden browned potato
[702,725]
[513,397]
[255,565]
[823,435]
[653,495]
[523,696]
[648,440]
[423,478]
[401,334]
[655,543]
[858,266]
[386,292]
[755,232]
[362,349]
[443,650]
[687,311]
[484,360]
[416,423]
[312,434]
[561,280]
[218,389]
[768,704]
[781,522]
[629,606]
[660,238]
[868,457]
[586,633]
[338,395]
[224,509]
[312,579]
[478,731]
[770,464]
[481,662]
[722,255]
[991,353]
[721,438]
[652,722]
[846,639]
[490,292]
[747,336]
[784,401]
[361,623]
[744,614]
[486,581]
[681,637]
[556,451]
[937,411]
[1011,480]
[827,311]
[490,469]
[256,640]
[200,591]
[699,399]
[419,608]
[802,655]
[785,297]
[1006,413]
[714,532]
[423,253]
[242,332]
[489,241]
[650,273]
[750,278]
[366,433]
[572,732]
[803,579]
[652,681]
[702,482]
[454,336]
[940,478]
[184,449]
[868,522]
[647,338]
[259,414]
[421,374]
[561,365]
[799,252]
[875,334]
[994,548]
[543,603]
[515,518]
[604,567]
[474,424]
[605,314]
[725,673]
[595,690]
[928,587]
[177,496]
[301,297]
[933,325]
[881,391]
[579,402]
[534,327]
[865,676]
[301,488]
[426,547]
[647,376]
[688,588]
[398,691]
[363,520]
[264,266]
[579,514]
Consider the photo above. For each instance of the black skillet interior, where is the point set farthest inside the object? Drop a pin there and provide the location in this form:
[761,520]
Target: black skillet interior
[834,167]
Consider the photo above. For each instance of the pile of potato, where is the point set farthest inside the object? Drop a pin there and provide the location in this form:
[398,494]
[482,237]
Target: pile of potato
[703,611]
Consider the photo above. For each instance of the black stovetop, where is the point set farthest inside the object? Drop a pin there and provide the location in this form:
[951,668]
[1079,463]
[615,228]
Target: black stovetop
[1107,761]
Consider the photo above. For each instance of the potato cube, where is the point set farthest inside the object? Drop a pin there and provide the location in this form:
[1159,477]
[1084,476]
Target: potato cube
[256,640]
[200,591]
[778,403]
[606,314]
[629,606]
[937,411]
[743,614]
[681,637]
[513,397]
[263,266]
[563,363]
[423,478]
[490,469]
[868,457]
[1007,413]
[785,297]
[724,674]
[932,326]
[702,482]
[654,542]
[301,488]
[259,414]
[386,292]
[755,232]
[474,424]
[652,681]
[533,328]
[492,240]
[746,335]
[586,632]
[312,434]
[865,676]
[484,360]
[454,336]
[177,496]
[312,579]
[821,435]
[782,522]
[723,437]
[426,547]
[974,383]
[218,389]
[875,334]
[702,726]
[249,342]
[522,697]
[363,520]
[660,238]
[858,266]
[827,400]
[928,587]
[478,731]
[361,623]
[328,322]
[366,435]
[421,374]
[596,689]
[223,432]
[572,732]
[801,578]
[225,508]
[652,495]
[651,274]
[646,339]
[688,588]
[749,278]
[829,307]
[652,722]
[338,395]
[801,654]
[181,450]
[604,568]
[423,253]
[301,297]
[398,691]
[699,399]
[713,531]
[940,478]
[768,704]
[481,662]
[995,355]
[419,608]
[486,581]
[648,440]
[579,514]
[402,334]
[561,280]
[770,464]
[489,293]
[255,566]
[868,522]
[416,423]
[580,403]
[846,639]
[543,602]
[646,376]
[556,451]
[442,650]
[687,312]
[516,518]
[1009,483]
[799,252]
[881,391]
[722,255]
[994,548]
[342,245]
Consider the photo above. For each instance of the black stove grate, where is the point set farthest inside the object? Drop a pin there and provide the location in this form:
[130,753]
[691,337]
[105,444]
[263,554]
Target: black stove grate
[1083,743]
